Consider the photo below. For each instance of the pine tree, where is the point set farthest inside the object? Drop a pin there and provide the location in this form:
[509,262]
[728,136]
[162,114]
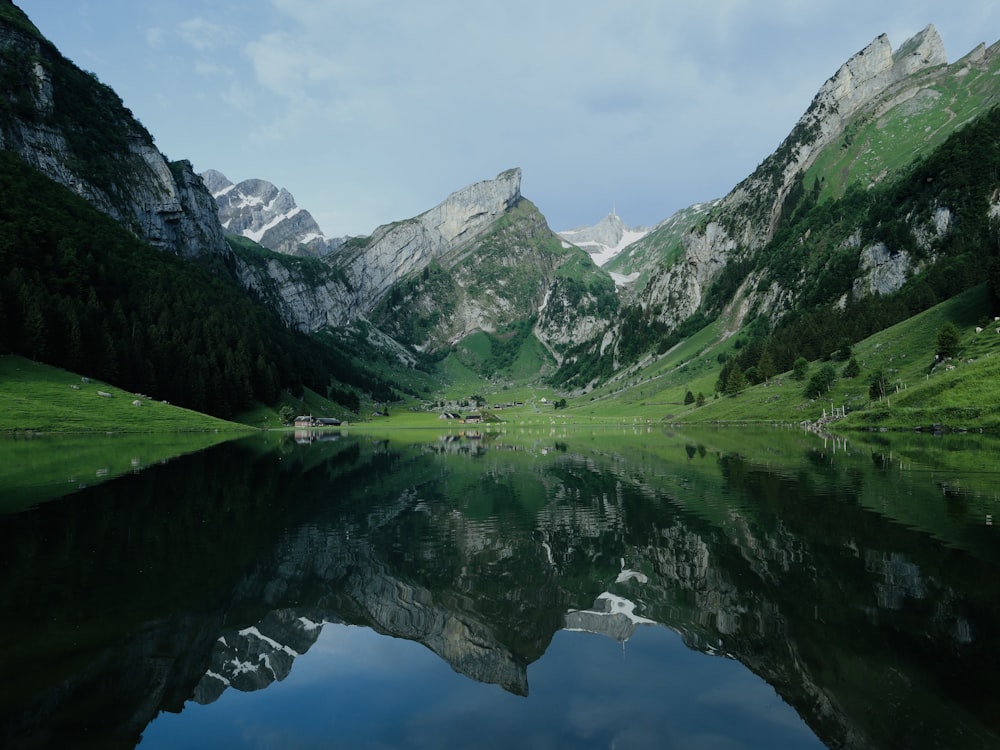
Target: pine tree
[948,339]
[766,368]
[800,369]
[736,382]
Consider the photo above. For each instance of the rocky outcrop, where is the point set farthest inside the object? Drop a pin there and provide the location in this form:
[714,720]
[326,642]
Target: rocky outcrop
[569,315]
[679,289]
[867,75]
[98,149]
[305,302]
[882,271]
[745,220]
[395,250]
[269,216]
[349,284]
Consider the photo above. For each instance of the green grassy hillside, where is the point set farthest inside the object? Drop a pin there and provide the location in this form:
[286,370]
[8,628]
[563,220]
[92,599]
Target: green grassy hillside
[37,398]
[962,393]
[885,138]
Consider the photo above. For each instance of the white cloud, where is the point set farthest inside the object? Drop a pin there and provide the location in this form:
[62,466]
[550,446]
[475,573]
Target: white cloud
[155,38]
[205,35]
[373,110]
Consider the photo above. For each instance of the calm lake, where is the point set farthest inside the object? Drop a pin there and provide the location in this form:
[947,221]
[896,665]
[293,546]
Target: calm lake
[529,587]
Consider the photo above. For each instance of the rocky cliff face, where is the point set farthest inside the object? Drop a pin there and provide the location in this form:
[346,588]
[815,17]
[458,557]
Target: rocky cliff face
[76,131]
[258,210]
[482,259]
[516,272]
[398,249]
[306,299]
[349,283]
[871,83]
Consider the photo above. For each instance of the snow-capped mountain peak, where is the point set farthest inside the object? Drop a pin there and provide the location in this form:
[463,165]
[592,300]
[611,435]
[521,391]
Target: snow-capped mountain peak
[605,239]
[268,215]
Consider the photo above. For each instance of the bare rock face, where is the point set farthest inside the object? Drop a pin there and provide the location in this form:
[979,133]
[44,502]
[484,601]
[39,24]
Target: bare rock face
[106,158]
[262,212]
[746,218]
[359,273]
[398,249]
[303,304]
[868,74]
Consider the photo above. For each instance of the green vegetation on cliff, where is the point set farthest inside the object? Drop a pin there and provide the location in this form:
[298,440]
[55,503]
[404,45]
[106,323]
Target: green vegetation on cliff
[80,292]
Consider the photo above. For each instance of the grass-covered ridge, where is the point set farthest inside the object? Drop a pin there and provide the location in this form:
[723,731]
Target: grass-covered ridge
[883,140]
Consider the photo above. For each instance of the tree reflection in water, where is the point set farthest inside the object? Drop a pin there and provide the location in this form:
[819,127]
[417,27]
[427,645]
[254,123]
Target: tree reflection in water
[846,581]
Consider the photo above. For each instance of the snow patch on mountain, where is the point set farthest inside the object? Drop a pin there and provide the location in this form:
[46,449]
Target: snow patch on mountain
[258,210]
[604,240]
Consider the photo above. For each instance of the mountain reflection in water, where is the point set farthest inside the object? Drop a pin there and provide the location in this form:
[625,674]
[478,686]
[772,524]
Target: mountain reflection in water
[856,580]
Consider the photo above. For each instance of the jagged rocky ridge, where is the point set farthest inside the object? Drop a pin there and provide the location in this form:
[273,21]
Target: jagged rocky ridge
[668,271]
[911,93]
[258,210]
[484,259]
[352,281]
[745,220]
[871,83]
[481,260]
[78,132]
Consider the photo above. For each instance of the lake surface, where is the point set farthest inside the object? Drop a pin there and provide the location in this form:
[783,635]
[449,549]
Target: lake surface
[531,587]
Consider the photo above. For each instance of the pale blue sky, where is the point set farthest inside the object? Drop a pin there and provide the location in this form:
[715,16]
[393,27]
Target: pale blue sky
[374,111]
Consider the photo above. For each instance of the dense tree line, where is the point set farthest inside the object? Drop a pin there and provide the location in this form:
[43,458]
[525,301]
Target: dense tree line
[78,291]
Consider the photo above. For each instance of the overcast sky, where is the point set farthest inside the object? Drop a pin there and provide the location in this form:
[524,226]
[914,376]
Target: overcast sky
[374,111]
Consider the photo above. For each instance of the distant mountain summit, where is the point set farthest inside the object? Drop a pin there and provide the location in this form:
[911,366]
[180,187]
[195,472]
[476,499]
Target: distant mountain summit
[268,215]
[605,239]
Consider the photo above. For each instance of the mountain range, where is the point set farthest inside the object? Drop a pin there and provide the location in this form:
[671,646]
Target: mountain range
[877,205]
[259,211]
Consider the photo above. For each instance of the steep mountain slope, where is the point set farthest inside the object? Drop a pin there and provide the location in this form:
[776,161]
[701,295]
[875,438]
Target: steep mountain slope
[901,95]
[813,229]
[482,260]
[75,130]
[92,219]
[636,260]
[63,123]
[517,271]
[258,210]
[878,204]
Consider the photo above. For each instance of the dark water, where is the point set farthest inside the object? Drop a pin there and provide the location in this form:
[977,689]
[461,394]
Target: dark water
[529,589]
